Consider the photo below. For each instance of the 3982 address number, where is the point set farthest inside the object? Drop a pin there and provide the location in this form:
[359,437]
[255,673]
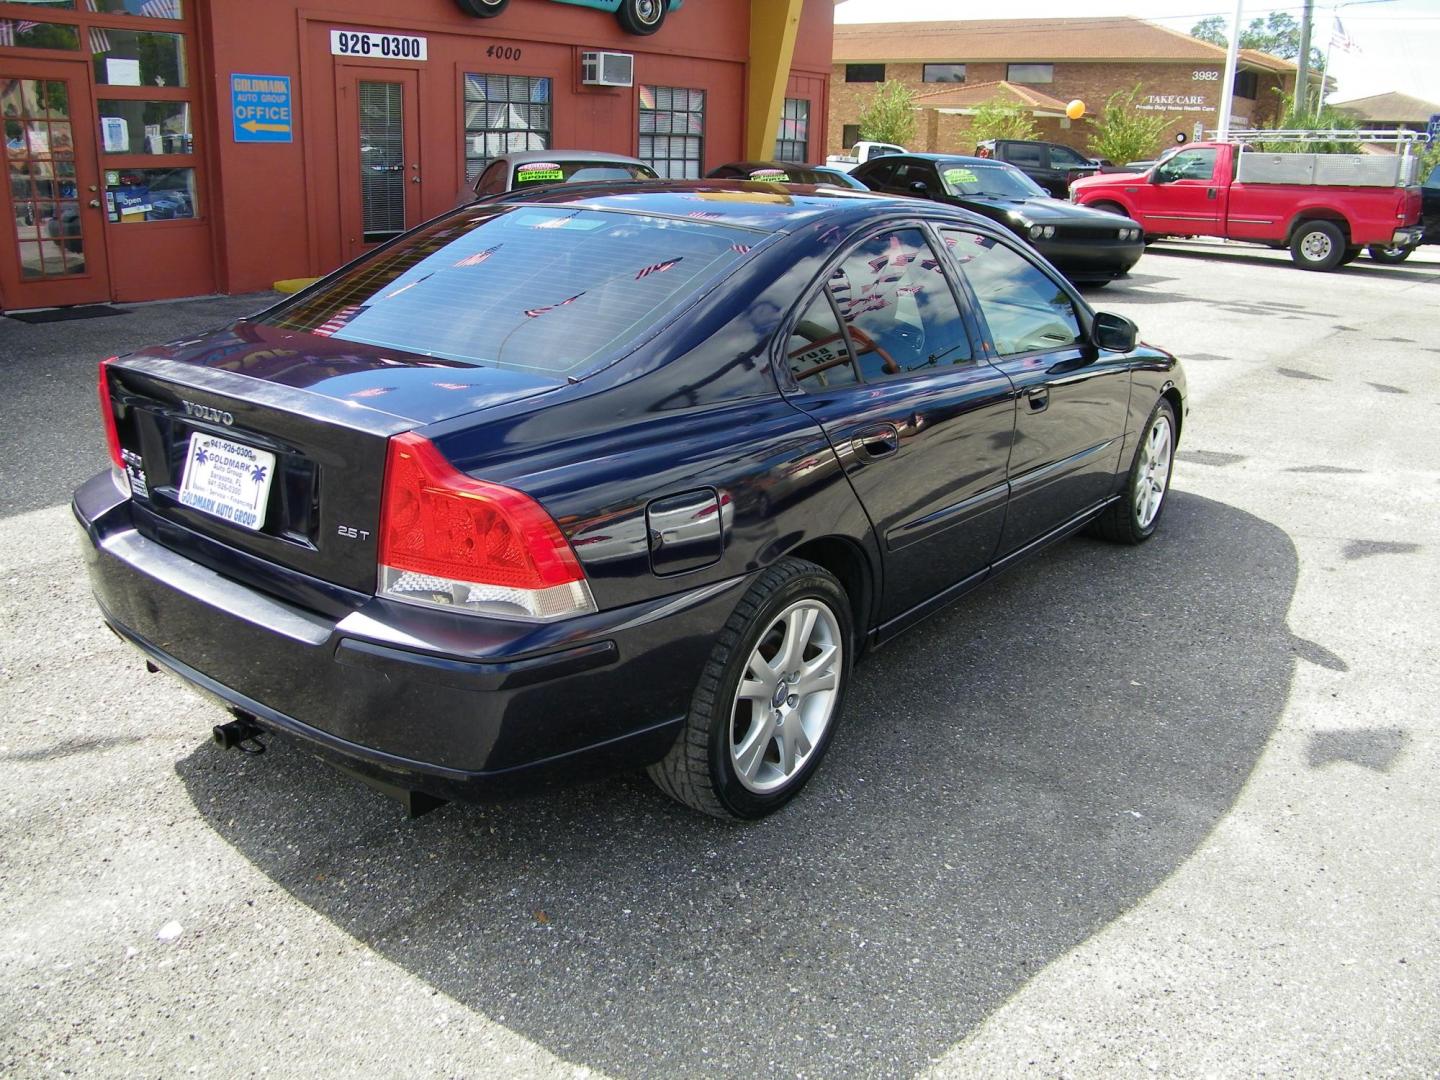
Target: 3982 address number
[382,46]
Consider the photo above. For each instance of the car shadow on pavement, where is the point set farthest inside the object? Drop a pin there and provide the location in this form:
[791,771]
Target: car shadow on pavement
[1011,776]
[1255,257]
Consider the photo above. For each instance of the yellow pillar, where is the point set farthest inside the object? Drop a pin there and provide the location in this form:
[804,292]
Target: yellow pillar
[773,26]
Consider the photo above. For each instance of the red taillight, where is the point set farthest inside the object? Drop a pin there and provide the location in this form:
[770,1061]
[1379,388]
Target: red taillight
[107,415]
[449,539]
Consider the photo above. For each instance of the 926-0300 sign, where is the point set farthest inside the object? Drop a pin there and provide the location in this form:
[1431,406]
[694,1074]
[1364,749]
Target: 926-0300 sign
[377,46]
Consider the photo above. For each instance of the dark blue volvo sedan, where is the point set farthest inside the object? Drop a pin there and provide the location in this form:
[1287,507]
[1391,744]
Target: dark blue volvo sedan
[584,480]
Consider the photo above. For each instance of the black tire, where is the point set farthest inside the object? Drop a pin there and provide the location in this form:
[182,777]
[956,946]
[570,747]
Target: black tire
[1389,256]
[484,9]
[1351,254]
[699,770]
[1109,208]
[641,17]
[1317,245]
[1121,522]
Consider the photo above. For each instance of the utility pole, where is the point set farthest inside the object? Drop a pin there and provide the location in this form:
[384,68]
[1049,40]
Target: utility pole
[1232,64]
[1302,80]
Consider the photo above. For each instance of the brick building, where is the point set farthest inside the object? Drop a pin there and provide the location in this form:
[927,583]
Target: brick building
[1040,64]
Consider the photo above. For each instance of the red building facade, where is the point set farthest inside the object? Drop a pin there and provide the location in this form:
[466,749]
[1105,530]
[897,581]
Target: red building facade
[163,148]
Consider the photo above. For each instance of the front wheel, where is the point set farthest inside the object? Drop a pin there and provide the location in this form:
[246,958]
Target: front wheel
[641,17]
[1388,255]
[769,697]
[1317,245]
[1134,519]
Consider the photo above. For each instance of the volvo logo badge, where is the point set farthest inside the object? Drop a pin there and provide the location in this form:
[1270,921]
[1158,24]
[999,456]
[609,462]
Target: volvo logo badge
[208,412]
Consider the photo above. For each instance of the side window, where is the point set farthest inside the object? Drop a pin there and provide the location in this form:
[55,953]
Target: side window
[897,307]
[1062,156]
[817,353]
[880,172]
[1025,309]
[492,180]
[1197,164]
[1027,157]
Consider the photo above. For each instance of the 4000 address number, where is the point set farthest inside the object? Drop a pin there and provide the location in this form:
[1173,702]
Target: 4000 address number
[384,46]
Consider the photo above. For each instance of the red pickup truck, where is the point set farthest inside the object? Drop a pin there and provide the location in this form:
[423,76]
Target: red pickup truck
[1197,193]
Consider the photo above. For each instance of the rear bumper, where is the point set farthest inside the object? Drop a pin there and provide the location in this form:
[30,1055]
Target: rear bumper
[431,701]
[1092,258]
[1408,237]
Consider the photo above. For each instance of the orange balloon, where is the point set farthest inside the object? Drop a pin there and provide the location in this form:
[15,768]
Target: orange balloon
[1075,109]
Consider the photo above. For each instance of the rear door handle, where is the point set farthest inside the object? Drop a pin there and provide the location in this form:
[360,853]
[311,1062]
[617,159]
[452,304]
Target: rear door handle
[876,442]
[1038,398]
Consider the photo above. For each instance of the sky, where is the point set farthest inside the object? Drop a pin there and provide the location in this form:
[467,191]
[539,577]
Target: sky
[1398,40]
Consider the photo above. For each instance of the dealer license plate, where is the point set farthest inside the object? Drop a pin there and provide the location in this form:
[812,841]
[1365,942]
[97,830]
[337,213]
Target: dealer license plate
[228,480]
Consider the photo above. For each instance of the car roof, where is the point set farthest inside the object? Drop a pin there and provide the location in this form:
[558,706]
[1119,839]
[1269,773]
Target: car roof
[967,159]
[746,204]
[524,157]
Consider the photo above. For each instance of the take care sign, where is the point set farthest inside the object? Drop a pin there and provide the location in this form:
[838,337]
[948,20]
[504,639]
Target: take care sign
[260,108]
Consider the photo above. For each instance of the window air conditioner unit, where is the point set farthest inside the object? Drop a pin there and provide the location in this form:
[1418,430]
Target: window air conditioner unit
[607,69]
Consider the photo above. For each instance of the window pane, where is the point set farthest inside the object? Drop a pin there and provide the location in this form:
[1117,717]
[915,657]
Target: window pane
[137,57]
[37,35]
[145,127]
[1025,309]
[1065,156]
[504,114]
[817,353]
[526,287]
[850,134]
[679,114]
[898,307]
[1030,73]
[1018,153]
[150,9]
[943,73]
[864,72]
[382,160]
[1197,164]
[792,143]
[150,194]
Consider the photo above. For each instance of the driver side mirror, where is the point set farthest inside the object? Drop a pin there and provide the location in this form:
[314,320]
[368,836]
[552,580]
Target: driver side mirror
[1113,333]
[919,187]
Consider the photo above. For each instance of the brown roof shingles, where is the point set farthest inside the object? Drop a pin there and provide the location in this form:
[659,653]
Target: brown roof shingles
[1113,38]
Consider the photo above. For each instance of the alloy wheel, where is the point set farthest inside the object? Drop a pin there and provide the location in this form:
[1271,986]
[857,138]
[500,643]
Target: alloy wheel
[787,695]
[1154,474]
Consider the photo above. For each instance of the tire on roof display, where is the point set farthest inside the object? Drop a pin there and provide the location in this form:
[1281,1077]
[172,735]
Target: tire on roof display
[641,16]
[484,9]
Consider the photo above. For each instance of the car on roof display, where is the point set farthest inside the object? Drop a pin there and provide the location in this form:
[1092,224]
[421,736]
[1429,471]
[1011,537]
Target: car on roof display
[589,479]
[636,16]
[1092,246]
[784,172]
[537,168]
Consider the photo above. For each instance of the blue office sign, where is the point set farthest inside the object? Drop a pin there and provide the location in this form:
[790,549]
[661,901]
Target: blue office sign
[1432,129]
[260,109]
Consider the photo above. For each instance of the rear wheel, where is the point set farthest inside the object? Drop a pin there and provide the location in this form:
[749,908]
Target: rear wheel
[641,16]
[769,698]
[1388,255]
[1317,245]
[1134,519]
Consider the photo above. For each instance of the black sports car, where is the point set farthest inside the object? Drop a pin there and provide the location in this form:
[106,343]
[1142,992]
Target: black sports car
[586,479]
[1088,245]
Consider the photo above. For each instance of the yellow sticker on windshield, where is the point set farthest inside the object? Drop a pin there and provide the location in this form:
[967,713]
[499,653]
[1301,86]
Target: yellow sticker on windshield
[961,176]
[543,172]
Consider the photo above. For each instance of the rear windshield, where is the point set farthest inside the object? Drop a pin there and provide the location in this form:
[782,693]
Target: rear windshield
[546,289]
[792,174]
[994,181]
[535,173]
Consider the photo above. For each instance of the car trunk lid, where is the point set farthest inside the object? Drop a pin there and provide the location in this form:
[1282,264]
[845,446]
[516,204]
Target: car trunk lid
[315,414]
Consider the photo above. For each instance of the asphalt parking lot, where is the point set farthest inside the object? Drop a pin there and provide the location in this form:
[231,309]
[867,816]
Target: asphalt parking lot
[1165,811]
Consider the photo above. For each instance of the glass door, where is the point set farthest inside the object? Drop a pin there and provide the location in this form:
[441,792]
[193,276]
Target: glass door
[381,176]
[53,237]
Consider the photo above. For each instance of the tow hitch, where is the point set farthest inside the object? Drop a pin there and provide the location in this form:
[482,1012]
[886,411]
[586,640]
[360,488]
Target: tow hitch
[242,733]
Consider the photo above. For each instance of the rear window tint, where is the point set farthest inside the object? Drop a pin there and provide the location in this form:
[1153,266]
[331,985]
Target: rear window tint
[535,173]
[546,289]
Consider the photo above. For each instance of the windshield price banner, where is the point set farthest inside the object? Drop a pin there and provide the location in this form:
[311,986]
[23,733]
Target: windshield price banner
[377,46]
